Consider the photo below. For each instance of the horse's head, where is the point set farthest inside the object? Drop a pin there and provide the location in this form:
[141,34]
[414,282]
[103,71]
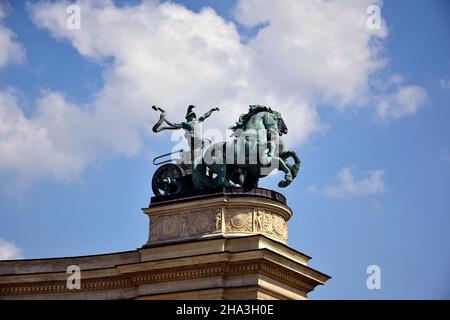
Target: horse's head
[282,128]
[257,113]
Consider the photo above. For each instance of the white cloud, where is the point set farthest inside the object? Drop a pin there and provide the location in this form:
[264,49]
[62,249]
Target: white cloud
[318,50]
[445,84]
[27,148]
[406,101]
[9,251]
[386,84]
[311,53]
[10,50]
[350,187]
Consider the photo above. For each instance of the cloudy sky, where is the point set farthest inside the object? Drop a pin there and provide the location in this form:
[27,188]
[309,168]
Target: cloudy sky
[366,101]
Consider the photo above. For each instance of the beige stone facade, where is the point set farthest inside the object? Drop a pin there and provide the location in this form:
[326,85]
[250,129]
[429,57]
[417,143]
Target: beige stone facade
[224,246]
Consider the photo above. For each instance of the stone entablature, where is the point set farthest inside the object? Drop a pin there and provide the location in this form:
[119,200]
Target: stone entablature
[253,267]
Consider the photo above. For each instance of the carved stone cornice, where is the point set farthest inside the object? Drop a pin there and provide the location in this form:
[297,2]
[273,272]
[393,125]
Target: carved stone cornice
[134,280]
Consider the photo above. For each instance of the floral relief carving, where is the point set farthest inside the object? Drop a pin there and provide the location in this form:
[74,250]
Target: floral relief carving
[200,221]
[278,224]
[186,224]
[239,219]
[170,226]
[268,223]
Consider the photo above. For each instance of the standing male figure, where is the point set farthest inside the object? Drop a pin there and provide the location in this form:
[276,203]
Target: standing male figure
[191,127]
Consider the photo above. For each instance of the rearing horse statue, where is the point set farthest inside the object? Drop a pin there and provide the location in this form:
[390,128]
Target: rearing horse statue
[256,150]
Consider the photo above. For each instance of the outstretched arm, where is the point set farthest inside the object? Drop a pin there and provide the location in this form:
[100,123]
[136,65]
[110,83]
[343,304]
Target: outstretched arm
[206,115]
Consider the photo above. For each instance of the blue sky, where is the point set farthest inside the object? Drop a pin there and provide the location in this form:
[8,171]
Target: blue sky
[368,112]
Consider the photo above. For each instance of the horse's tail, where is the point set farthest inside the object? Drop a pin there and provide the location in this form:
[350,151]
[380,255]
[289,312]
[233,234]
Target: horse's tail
[295,168]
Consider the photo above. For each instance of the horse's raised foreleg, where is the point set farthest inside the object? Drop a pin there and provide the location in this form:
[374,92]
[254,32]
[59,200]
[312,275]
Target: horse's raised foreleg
[283,166]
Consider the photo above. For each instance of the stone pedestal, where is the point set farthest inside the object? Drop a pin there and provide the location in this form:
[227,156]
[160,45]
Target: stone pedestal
[218,213]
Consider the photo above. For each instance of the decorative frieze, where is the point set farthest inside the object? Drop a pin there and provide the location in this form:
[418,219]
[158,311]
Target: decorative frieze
[243,217]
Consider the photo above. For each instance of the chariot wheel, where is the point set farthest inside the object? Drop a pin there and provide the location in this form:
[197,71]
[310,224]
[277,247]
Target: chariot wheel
[167,180]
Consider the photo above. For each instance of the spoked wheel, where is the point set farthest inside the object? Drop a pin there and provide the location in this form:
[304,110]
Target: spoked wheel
[167,180]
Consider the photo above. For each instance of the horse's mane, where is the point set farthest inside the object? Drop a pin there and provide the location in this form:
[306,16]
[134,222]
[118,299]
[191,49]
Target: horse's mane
[244,118]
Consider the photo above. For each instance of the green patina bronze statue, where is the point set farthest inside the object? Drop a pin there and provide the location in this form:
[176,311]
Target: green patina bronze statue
[192,125]
[254,152]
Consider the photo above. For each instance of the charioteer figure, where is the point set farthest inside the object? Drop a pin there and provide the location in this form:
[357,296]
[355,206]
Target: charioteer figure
[191,127]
